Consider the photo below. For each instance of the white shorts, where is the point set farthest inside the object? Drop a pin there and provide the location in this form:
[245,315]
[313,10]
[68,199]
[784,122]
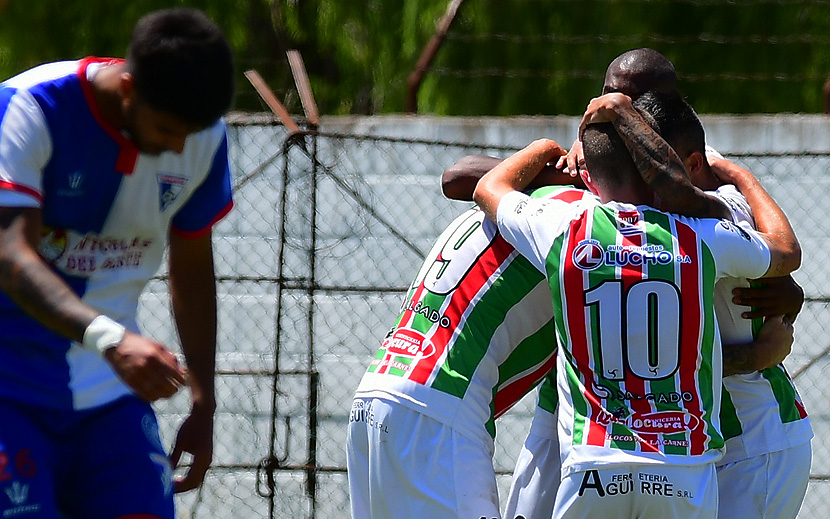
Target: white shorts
[537,473]
[769,486]
[406,465]
[642,491]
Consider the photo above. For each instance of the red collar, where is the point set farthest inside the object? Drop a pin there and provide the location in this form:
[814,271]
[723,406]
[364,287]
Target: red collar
[128,154]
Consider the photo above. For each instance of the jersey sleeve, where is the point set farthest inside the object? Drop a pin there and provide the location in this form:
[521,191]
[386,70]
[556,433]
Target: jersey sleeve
[738,206]
[531,224]
[211,201]
[25,148]
[739,251]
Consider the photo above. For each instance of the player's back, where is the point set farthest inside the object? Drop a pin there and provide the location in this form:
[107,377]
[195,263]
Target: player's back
[475,330]
[632,292]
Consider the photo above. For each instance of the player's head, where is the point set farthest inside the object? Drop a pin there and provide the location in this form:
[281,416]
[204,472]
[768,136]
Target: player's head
[639,70]
[613,174]
[676,121]
[180,67]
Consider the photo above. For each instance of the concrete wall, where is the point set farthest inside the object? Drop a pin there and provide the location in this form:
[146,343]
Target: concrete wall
[398,181]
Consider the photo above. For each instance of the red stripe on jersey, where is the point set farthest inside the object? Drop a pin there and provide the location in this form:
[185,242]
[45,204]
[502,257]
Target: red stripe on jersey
[690,331]
[570,195]
[629,275]
[507,396]
[488,263]
[405,320]
[802,411]
[574,288]
[22,189]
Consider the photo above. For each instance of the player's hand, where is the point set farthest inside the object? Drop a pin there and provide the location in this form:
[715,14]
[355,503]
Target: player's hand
[195,437]
[605,109]
[774,342]
[727,171]
[147,367]
[770,296]
[573,161]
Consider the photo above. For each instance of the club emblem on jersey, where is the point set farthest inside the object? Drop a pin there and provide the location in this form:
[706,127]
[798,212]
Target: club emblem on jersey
[587,255]
[52,244]
[629,222]
[170,187]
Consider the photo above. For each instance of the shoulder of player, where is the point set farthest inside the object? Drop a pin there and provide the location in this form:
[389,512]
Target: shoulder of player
[207,140]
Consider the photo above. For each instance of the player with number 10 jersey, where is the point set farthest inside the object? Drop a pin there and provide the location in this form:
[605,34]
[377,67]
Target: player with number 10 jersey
[632,290]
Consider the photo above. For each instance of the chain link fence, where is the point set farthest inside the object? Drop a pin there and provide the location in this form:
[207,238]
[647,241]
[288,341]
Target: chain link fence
[327,232]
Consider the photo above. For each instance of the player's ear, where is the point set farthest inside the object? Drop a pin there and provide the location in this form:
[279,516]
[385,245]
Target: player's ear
[694,163]
[586,179]
[126,86]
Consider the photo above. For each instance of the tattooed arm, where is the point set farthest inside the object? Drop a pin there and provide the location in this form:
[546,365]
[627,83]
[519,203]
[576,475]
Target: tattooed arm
[658,163]
[770,348]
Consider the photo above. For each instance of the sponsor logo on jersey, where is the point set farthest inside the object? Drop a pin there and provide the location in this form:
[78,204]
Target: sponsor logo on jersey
[74,183]
[170,187]
[165,471]
[643,483]
[610,393]
[18,494]
[658,422]
[82,256]
[737,229]
[409,343]
[589,255]
[362,412]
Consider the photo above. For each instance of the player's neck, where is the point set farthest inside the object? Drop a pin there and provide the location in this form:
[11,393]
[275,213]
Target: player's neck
[106,88]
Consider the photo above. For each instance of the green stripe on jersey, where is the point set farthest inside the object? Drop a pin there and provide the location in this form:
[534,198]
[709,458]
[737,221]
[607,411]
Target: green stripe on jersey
[475,335]
[730,425]
[784,392]
[548,394]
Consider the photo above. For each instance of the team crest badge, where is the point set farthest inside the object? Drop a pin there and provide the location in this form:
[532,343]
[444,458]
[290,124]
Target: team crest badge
[170,187]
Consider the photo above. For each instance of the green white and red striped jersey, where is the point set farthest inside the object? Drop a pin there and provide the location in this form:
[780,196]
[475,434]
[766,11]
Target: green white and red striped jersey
[639,372]
[475,332]
[761,412]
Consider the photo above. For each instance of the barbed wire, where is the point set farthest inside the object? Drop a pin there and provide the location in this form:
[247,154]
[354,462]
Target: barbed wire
[719,39]
[735,3]
[594,74]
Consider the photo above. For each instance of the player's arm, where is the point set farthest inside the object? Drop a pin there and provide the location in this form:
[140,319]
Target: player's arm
[657,162]
[146,366]
[770,220]
[193,295]
[514,173]
[30,283]
[770,296]
[459,180]
[770,348]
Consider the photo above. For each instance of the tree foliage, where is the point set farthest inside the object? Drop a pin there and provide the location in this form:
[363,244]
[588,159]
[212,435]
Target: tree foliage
[500,58]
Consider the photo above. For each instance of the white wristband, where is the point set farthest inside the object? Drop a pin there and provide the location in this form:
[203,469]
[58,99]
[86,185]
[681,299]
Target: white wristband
[103,333]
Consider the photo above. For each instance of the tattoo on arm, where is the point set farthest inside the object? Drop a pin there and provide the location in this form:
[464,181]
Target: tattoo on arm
[738,359]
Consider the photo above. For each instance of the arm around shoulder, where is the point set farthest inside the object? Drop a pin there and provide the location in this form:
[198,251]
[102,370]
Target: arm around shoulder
[515,173]
[770,220]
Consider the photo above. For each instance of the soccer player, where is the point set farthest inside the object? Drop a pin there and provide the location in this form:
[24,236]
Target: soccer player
[767,416]
[103,164]
[639,416]
[474,335]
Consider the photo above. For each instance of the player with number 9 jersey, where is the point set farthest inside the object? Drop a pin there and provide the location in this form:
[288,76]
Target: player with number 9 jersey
[475,334]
